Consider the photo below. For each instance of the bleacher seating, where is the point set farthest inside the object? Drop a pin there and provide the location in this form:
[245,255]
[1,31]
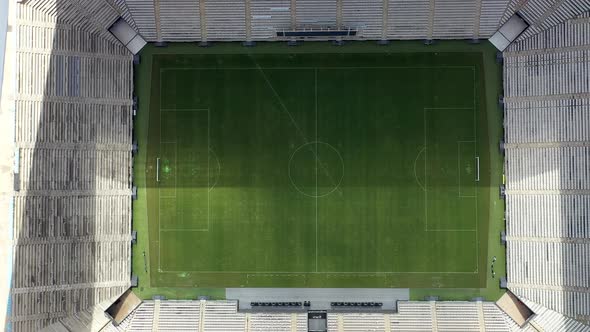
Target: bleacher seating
[85,15]
[142,13]
[317,32]
[178,315]
[419,19]
[275,322]
[225,20]
[269,16]
[544,14]
[449,316]
[413,316]
[488,18]
[548,121]
[366,16]
[72,213]
[316,13]
[356,322]
[223,316]
[547,147]
[448,13]
[550,320]
[301,323]
[494,319]
[159,315]
[423,19]
[409,19]
[549,169]
[457,316]
[180,20]
[143,317]
[171,315]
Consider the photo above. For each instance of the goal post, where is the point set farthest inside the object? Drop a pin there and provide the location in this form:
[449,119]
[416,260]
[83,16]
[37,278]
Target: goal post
[477,169]
[157,169]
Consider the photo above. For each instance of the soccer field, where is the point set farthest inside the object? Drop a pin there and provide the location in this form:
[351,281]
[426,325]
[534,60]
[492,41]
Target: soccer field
[318,170]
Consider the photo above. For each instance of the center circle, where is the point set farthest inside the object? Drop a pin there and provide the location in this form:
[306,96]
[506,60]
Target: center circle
[316,169]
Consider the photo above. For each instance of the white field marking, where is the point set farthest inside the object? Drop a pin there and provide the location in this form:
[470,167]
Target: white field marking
[336,273]
[282,104]
[218,169]
[159,238]
[425,175]
[159,226]
[157,169]
[208,166]
[160,230]
[315,72]
[477,167]
[159,250]
[185,230]
[415,174]
[160,209]
[425,163]
[459,164]
[459,167]
[475,136]
[286,110]
[474,92]
[262,274]
[170,110]
[175,167]
[451,230]
[448,108]
[336,186]
[311,272]
[274,275]
[306,67]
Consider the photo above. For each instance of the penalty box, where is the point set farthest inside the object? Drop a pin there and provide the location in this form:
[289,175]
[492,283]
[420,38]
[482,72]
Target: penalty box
[184,183]
[451,169]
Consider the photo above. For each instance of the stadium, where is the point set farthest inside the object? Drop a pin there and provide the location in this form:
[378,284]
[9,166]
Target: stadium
[295,165]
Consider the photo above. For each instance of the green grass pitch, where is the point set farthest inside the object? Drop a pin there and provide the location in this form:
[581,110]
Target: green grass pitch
[318,170]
